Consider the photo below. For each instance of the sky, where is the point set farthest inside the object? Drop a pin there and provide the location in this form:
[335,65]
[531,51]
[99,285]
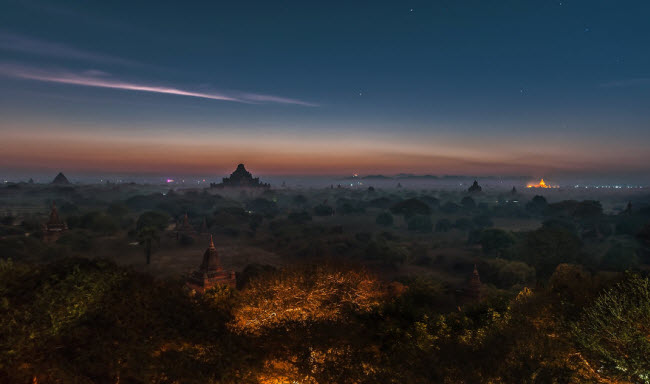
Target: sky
[514,87]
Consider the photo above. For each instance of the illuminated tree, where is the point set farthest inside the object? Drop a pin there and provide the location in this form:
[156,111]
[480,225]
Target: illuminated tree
[303,296]
[615,331]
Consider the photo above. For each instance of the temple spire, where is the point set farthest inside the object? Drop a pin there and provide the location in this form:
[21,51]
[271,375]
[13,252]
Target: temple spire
[211,243]
[474,288]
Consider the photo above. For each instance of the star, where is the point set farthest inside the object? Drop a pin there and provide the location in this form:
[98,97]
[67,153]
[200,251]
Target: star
[411,10]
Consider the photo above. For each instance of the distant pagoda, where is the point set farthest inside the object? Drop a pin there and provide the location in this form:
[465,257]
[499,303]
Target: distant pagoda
[474,287]
[60,179]
[53,228]
[204,226]
[185,228]
[210,273]
[475,188]
[241,178]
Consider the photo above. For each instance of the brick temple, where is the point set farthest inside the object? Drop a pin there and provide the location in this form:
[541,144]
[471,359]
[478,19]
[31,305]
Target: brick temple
[184,228]
[241,178]
[210,273]
[53,228]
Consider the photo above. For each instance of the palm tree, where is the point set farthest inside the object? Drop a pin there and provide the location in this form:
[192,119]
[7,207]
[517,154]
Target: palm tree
[147,236]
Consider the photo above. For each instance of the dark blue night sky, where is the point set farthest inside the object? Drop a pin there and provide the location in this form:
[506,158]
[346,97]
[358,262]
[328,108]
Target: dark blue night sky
[481,87]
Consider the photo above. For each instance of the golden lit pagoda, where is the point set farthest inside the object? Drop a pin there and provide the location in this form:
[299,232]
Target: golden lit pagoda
[541,184]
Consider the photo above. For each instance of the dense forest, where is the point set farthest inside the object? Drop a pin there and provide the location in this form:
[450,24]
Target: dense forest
[334,285]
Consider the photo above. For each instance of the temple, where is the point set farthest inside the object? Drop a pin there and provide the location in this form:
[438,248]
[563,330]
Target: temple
[474,287]
[541,184]
[60,179]
[210,274]
[475,188]
[185,228]
[53,228]
[241,178]
[204,227]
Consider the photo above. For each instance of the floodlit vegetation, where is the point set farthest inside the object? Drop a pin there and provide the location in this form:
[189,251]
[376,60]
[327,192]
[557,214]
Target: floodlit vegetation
[333,286]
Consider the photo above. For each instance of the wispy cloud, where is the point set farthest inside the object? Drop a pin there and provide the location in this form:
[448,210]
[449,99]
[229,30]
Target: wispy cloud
[639,81]
[19,43]
[100,79]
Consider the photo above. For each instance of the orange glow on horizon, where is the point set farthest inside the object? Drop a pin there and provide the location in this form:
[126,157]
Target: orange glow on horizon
[272,154]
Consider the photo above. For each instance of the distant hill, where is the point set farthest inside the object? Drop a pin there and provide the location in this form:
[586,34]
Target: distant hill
[417,177]
[411,176]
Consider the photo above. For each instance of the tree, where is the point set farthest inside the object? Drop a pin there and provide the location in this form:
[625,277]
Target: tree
[385,219]
[620,257]
[410,207]
[468,203]
[147,236]
[495,241]
[443,225]
[464,224]
[154,219]
[537,205]
[323,210]
[299,217]
[588,209]
[420,223]
[482,221]
[450,207]
[303,296]
[545,248]
[299,200]
[615,331]
[263,206]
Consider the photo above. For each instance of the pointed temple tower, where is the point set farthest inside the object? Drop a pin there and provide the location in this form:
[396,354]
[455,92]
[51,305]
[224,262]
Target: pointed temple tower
[474,188]
[210,273]
[474,286]
[54,226]
[204,226]
[185,228]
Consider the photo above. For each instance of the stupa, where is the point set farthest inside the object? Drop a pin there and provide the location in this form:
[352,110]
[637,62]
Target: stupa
[210,273]
[475,188]
[53,228]
[474,286]
[185,228]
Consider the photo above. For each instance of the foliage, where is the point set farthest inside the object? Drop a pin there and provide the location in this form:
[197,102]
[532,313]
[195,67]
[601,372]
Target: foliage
[323,210]
[537,205]
[468,203]
[410,207]
[443,225]
[263,206]
[152,219]
[495,241]
[545,248]
[307,295]
[148,237]
[385,219]
[299,217]
[615,331]
[420,223]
